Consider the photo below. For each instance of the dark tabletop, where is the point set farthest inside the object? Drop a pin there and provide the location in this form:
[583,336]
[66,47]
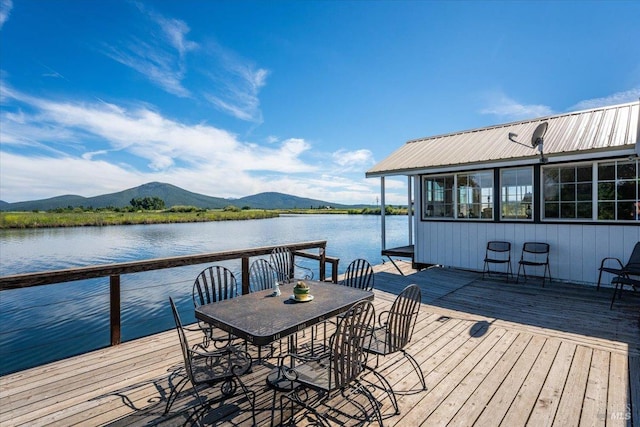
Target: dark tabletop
[261,318]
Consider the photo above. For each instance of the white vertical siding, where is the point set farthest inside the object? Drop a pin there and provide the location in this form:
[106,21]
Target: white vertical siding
[576,249]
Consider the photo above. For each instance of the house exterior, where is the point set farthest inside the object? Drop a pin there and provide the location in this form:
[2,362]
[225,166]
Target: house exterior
[576,188]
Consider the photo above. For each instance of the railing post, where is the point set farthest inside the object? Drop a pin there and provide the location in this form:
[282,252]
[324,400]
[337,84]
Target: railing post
[245,275]
[114,299]
[323,264]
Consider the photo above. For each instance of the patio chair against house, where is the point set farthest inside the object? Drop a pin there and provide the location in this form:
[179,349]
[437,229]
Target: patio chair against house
[203,367]
[393,334]
[619,269]
[621,281]
[534,254]
[282,261]
[261,275]
[497,252]
[337,370]
[359,275]
[213,284]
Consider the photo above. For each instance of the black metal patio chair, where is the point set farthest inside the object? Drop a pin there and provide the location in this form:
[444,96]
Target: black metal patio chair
[202,367]
[282,261]
[213,284]
[619,269]
[497,252]
[338,370]
[261,275]
[393,334]
[534,254]
[359,274]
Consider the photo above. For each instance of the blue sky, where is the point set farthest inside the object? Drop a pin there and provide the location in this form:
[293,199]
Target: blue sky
[233,98]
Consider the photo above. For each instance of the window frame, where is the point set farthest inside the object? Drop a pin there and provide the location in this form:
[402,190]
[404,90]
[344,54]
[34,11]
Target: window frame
[532,202]
[594,193]
[455,193]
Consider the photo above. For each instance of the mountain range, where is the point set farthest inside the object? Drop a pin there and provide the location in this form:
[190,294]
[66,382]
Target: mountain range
[172,196]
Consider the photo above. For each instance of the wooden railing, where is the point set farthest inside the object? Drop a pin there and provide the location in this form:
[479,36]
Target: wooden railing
[114,271]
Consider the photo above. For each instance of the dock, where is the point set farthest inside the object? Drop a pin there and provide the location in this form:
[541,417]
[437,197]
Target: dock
[494,353]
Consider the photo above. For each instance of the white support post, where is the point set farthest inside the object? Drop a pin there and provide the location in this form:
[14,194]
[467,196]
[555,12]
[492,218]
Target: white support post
[410,208]
[382,216]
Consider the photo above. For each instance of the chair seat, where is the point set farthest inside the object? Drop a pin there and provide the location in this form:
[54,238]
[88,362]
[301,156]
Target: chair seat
[378,342]
[524,262]
[497,261]
[314,374]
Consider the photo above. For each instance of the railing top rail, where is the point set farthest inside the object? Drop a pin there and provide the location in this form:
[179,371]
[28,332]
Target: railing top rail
[26,280]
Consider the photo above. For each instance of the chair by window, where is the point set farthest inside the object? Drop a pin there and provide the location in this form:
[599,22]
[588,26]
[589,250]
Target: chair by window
[619,269]
[261,275]
[621,281]
[282,261]
[213,284]
[203,367]
[393,334]
[534,254]
[337,370]
[497,253]
[359,275]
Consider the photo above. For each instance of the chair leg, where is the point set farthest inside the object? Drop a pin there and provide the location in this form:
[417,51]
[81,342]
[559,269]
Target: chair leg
[417,368]
[174,394]
[524,270]
[613,298]
[387,388]
[599,279]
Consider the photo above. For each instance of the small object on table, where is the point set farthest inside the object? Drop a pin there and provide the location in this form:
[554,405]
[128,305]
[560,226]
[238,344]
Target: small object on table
[276,289]
[301,291]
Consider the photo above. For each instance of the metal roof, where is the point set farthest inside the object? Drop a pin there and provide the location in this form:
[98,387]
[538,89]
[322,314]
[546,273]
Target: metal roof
[599,132]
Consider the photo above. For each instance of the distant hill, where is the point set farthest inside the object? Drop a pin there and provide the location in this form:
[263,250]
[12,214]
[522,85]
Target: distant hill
[172,196]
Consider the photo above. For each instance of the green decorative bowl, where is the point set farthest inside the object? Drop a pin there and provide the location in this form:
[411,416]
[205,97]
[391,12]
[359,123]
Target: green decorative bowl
[301,293]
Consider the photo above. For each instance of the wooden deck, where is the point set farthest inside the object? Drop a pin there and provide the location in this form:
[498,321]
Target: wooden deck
[493,353]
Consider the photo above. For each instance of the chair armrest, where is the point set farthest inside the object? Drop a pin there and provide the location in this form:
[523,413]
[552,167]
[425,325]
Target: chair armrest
[610,259]
[384,313]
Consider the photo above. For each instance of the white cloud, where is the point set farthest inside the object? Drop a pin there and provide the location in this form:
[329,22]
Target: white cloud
[350,160]
[617,98]
[69,147]
[5,11]
[161,60]
[237,84]
[508,109]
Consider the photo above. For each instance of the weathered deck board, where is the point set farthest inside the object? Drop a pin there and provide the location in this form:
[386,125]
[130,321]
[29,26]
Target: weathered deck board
[493,353]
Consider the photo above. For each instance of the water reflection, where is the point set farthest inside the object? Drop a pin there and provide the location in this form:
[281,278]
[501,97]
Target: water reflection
[46,323]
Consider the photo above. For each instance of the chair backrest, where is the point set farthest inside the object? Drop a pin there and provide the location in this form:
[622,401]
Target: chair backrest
[281,260]
[348,356]
[261,275]
[537,250]
[402,318]
[184,344]
[359,275]
[213,284]
[633,265]
[498,246]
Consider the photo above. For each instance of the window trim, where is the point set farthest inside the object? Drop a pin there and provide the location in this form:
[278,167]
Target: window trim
[454,196]
[534,204]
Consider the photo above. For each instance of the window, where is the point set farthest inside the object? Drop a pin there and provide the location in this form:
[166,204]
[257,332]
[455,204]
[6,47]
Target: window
[516,188]
[618,191]
[568,192]
[464,195]
[438,196]
[474,195]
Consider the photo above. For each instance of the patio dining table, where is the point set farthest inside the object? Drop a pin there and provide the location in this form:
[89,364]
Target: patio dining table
[261,318]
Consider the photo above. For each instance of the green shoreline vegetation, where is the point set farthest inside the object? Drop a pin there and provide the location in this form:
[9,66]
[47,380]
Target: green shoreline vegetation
[81,217]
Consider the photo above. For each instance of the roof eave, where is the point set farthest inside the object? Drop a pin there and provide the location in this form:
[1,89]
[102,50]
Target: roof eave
[627,150]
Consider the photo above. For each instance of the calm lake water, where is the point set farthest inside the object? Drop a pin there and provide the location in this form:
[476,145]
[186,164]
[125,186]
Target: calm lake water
[46,323]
